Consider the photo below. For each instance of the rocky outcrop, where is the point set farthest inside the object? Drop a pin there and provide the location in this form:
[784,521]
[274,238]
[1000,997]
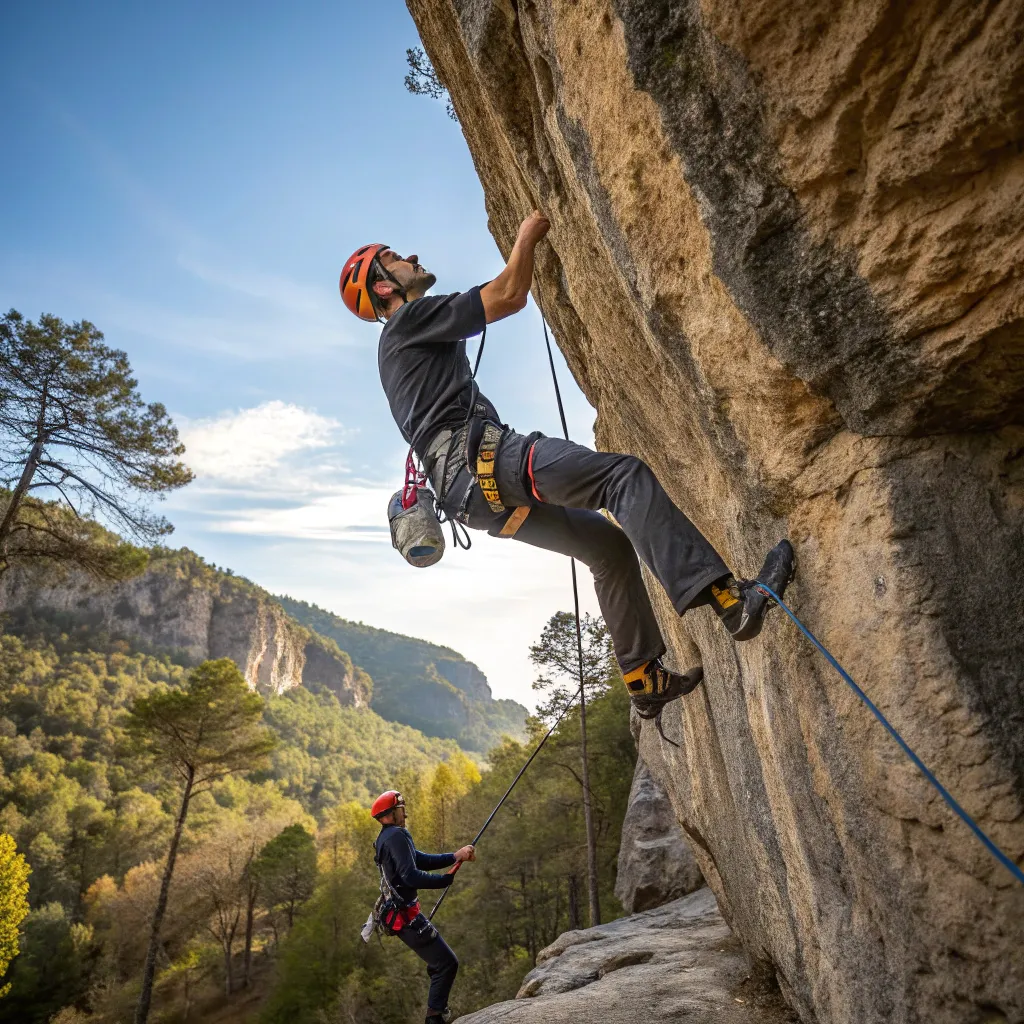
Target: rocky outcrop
[182,606]
[656,864]
[785,267]
[676,963]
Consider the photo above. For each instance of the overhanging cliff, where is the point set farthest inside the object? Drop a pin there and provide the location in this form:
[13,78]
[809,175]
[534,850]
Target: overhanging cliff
[785,267]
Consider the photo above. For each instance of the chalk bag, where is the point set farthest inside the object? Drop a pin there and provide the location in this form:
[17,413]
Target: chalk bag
[415,529]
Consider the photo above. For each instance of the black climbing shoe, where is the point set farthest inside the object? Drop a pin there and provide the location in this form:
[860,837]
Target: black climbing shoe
[652,686]
[740,605]
[440,1018]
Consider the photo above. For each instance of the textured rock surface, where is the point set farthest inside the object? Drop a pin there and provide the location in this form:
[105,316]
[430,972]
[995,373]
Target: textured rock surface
[785,267]
[676,963]
[181,606]
[656,864]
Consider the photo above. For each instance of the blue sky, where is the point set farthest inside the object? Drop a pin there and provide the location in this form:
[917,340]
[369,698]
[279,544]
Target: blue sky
[191,178]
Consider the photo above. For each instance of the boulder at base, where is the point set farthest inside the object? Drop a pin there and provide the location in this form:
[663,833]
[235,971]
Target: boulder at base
[679,962]
[656,863]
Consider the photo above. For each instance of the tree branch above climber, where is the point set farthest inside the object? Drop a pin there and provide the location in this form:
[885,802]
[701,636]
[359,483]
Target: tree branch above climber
[544,491]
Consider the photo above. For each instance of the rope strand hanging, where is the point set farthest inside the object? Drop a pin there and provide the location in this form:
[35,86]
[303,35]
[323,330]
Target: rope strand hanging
[576,607]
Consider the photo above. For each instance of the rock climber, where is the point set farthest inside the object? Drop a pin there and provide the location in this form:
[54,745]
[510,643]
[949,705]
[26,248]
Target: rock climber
[405,869]
[543,491]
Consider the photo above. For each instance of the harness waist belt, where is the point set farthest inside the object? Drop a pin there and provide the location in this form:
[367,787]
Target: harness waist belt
[486,453]
[474,445]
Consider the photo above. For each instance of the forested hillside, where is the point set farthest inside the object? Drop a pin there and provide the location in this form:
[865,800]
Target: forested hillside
[245,928]
[93,821]
[184,606]
[431,688]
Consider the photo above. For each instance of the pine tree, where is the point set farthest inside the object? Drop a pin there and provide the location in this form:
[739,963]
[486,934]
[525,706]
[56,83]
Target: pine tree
[204,732]
[74,429]
[580,650]
[287,869]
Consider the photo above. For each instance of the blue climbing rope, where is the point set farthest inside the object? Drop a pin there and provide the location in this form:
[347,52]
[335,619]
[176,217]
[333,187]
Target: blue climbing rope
[943,792]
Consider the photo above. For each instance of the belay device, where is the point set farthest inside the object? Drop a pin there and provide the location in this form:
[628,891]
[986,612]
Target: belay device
[415,529]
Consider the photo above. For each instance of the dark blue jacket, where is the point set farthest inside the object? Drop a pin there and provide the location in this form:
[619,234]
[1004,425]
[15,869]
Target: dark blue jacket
[405,867]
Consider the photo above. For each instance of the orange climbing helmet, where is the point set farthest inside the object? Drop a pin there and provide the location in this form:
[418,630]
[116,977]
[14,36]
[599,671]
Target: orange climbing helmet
[361,271]
[386,802]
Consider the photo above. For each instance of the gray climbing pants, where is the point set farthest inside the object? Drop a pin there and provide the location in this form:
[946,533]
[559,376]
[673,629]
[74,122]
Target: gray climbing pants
[565,484]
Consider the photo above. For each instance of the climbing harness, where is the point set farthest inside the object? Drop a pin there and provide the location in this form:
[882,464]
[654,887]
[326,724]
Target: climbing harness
[497,807]
[486,451]
[417,511]
[904,746]
[390,913]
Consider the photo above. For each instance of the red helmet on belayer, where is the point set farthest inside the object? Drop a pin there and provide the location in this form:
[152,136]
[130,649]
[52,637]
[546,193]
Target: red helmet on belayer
[387,802]
[362,270]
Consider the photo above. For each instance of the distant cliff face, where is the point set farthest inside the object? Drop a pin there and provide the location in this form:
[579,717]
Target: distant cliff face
[785,266]
[183,606]
[433,689]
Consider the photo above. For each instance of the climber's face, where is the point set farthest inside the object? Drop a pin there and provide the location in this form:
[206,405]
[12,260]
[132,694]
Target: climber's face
[407,270]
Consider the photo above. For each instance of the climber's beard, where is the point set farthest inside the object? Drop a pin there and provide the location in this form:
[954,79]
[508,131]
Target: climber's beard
[423,279]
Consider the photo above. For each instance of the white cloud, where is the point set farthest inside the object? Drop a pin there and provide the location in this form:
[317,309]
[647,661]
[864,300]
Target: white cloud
[251,446]
[352,512]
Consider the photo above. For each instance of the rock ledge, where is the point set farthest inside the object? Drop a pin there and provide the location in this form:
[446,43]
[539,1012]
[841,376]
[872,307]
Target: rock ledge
[679,962]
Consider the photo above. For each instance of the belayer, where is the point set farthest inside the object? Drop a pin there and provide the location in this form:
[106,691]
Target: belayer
[403,870]
[544,491]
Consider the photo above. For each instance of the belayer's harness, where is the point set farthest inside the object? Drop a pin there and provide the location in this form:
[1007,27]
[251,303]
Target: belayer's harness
[390,913]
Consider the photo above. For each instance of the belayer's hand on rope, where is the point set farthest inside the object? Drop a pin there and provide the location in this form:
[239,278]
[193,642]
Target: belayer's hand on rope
[461,856]
[497,807]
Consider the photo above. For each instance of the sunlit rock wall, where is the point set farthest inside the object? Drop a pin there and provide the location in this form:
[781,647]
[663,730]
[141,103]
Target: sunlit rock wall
[785,267]
[182,607]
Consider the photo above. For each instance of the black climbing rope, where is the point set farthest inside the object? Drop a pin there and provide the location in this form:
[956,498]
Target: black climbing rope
[497,806]
[576,606]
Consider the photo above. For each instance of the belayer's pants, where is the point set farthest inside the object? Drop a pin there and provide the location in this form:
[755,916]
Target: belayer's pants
[565,484]
[442,964]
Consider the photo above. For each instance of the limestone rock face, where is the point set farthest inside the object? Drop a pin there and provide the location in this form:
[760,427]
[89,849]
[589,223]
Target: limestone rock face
[656,864]
[676,963]
[181,606]
[785,267]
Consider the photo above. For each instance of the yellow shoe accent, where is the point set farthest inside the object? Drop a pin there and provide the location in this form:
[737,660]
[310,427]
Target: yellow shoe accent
[638,681]
[725,598]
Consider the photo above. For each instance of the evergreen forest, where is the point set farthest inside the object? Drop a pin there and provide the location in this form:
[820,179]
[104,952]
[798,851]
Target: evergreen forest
[253,932]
